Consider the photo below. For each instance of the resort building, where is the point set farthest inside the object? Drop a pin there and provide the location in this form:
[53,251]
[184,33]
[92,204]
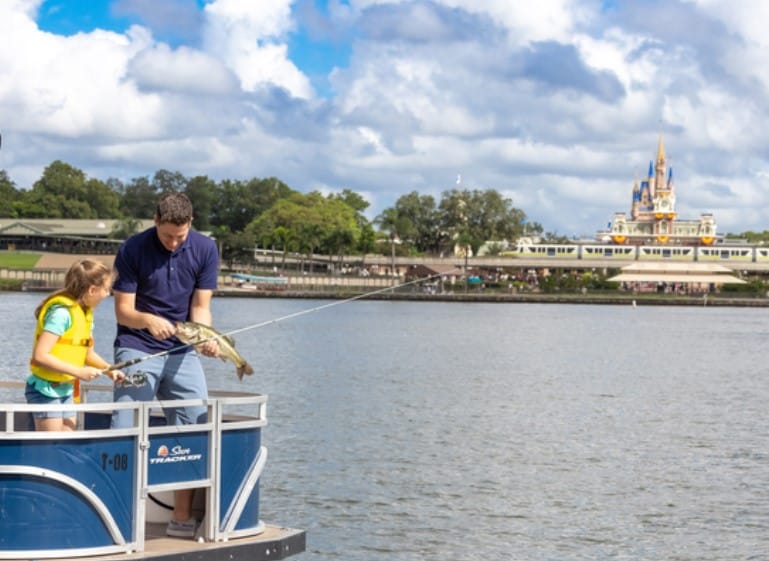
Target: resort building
[64,235]
[653,218]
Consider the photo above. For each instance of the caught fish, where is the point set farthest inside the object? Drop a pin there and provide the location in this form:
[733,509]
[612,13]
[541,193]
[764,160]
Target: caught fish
[193,333]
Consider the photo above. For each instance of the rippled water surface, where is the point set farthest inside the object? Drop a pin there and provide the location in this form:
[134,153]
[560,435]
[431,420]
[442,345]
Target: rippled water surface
[446,431]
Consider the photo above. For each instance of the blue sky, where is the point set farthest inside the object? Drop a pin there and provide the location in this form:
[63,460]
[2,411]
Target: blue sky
[314,46]
[557,104]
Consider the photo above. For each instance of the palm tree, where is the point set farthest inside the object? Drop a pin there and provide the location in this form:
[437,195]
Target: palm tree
[389,220]
[465,240]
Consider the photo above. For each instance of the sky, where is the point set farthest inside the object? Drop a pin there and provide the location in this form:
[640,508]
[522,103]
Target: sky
[556,104]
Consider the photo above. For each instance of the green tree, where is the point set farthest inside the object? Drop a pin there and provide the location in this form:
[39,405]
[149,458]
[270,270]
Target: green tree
[104,201]
[266,192]
[464,241]
[481,216]
[419,221]
[531,228]
[366,237]
[352,199]
[236,247]
[164,182]
[138,199]
[311,221]
[63,191]
[283,239]
[238,203]
[125,227]
[395,226]
[308,239]
[9,195]
[555,237]
[202,192]
[227,204]
[750,236]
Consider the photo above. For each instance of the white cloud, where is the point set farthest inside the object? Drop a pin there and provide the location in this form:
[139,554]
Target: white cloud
[20,10]
[248,37]
[528,21]
[71,86]
[208,152]
[746,18]
[183,69]
[524,21]
[745,56]
[268,18]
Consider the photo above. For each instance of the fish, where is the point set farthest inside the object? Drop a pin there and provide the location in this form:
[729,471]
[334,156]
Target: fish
[194,333]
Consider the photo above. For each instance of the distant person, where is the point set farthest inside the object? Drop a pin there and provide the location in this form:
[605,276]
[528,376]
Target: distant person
[63,350]
[166,274]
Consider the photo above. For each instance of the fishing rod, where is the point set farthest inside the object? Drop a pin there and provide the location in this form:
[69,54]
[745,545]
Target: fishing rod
[137,360]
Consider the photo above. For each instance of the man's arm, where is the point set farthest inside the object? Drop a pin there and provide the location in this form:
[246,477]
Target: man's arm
[200,311]
[200,307]
[127,314]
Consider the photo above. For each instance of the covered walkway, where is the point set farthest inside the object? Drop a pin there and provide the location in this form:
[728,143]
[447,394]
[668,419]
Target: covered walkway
[677,273]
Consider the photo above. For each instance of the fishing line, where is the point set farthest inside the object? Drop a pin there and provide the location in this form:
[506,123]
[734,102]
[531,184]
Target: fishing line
[337,303]
[137,360]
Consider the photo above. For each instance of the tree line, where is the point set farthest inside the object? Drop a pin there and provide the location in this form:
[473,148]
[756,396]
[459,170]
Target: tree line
[268,213]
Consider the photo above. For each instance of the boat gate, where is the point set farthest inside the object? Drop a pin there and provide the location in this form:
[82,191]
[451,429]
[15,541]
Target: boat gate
[86,492]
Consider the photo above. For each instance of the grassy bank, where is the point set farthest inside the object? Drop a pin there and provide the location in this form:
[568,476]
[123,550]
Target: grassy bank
[18,259]
[11,284]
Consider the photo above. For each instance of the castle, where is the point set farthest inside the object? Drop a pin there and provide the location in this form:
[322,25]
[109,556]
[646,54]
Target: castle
[653,218]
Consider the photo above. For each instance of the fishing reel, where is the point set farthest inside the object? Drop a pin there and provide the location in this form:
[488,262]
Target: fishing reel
[134,379]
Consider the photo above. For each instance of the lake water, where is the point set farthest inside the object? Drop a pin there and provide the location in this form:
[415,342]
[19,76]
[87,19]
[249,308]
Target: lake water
[450,431]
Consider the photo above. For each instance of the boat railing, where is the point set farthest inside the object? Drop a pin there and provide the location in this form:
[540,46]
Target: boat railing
[106,476]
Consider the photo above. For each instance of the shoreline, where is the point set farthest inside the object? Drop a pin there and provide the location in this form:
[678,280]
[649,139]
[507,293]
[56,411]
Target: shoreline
[596,299]
[646,299]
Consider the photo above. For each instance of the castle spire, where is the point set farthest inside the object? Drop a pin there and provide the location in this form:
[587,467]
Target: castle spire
[660,151]
[659,169]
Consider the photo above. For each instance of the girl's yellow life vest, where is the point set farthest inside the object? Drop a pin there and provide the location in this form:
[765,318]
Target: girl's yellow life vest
[72,347]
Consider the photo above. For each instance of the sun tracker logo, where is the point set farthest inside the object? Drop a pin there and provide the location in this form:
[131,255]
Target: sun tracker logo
[175,454]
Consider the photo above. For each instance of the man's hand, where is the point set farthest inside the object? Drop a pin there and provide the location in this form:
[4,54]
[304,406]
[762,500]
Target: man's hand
[208,348]
[160,328]
[116,376]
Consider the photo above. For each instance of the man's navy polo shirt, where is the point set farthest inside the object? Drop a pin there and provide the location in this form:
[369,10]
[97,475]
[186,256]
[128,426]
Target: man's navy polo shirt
[163,282]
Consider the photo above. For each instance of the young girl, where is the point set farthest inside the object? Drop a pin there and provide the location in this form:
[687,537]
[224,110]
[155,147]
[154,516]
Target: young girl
[63,350]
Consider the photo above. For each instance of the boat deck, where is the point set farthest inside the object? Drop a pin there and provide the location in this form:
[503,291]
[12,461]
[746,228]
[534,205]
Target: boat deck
[274,543]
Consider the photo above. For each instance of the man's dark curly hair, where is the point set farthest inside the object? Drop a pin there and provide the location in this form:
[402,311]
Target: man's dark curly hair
[174,208]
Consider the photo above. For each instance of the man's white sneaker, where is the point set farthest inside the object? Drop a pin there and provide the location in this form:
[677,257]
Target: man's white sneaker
[182,529]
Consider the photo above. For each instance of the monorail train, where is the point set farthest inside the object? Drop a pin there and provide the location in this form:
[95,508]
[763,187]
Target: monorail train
[724,253]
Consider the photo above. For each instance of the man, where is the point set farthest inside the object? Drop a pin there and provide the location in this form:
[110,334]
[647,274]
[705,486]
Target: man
[165,274]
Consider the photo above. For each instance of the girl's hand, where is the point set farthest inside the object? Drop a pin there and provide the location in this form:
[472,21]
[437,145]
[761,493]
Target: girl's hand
[88,373]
